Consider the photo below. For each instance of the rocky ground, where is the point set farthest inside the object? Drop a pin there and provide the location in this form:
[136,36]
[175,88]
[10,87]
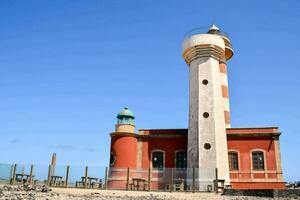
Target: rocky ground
[26,192]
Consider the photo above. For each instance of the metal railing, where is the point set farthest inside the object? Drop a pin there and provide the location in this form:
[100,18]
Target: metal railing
[202,30]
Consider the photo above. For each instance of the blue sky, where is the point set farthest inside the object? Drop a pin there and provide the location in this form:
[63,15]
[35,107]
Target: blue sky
[68,67]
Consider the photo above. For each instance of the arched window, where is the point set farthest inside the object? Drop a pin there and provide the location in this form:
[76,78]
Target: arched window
[181,160]
[112,159]
[258,160]
[233,161]
[158,159]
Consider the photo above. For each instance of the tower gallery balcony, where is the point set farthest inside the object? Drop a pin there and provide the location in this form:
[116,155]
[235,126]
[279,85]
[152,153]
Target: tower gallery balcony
[215,31]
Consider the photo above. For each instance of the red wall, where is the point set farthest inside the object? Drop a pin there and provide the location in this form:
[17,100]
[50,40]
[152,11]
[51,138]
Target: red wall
[170,141]
[170,146]
[243,179]
[124,148]
[244,147]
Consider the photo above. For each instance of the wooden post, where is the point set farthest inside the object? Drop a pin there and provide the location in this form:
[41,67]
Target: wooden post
[149,179]
[216,181]
[49,175]
[194,180]
[53,159]
[105,179]
[31,173]
[11,173]
[67,176]
[127,179]
[171,180]
[86,176]
[14,174]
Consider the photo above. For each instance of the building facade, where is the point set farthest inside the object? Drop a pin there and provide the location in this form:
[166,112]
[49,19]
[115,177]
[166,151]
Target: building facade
[246,158]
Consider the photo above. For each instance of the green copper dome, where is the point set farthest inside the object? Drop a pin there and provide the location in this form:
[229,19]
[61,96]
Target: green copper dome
[125,113]
[125,116]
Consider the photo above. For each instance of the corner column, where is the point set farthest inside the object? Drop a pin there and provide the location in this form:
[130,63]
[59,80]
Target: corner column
[278,159]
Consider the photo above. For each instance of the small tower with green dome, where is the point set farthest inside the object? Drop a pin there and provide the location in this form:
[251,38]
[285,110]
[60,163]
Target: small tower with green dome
[125,121]
[125,116]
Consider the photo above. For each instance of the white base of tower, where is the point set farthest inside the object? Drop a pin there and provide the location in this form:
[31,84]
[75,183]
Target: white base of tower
[202,185]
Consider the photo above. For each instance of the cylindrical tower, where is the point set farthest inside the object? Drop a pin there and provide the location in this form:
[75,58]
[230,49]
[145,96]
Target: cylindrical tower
[123,149]
[207,143]
[223,71]
[124,141]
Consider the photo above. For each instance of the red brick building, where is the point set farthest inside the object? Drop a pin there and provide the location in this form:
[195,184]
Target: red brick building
[254,154]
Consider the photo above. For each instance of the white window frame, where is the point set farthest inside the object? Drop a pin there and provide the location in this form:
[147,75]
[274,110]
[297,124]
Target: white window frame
[164,158]
[265,160]
[177,151]
[239,159]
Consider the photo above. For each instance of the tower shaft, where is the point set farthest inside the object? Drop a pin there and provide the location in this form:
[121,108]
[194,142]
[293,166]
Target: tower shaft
[207,143]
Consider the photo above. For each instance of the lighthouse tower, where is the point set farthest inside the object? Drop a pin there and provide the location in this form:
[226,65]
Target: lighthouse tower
[206,55]
[124,141]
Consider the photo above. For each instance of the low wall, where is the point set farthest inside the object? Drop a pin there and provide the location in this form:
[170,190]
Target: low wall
[257,185]
[264,193]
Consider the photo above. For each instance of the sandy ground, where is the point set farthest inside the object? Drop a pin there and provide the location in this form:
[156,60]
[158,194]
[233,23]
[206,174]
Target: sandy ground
[8,192]
[136,194]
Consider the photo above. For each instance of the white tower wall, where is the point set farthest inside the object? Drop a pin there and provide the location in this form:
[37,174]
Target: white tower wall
[202,52]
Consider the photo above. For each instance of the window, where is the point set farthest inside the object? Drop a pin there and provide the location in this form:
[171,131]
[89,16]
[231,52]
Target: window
[233,161]
[181,160]
[205,114]
[157,159]
[205,82]
[112,159]
[207,146]
[258,160]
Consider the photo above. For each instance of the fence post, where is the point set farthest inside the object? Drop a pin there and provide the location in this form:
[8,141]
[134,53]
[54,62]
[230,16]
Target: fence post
[105,179]
[171,180]
[127,179]
[11,173]
[194,181]
[149,179]
[14,174]
[216,181]
[86,176]
[67,176]
[49,175]
[30,176]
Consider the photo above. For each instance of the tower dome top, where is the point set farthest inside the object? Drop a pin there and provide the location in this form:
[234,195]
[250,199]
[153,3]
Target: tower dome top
[213,27]
[216,31]
[125,112]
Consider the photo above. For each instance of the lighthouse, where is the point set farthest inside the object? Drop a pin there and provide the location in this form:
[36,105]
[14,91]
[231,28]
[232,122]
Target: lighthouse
[206,55]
